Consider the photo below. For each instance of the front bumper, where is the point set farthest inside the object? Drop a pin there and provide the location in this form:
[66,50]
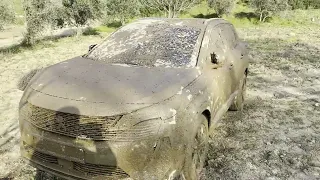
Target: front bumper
[73,158]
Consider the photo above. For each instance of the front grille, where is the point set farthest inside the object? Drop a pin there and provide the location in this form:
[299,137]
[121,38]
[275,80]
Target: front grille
[89,170]
[100,170]
[91,127]
[44,157]
[68,124]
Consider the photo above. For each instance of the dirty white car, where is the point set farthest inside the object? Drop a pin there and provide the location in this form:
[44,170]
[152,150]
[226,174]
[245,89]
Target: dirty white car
[140,104]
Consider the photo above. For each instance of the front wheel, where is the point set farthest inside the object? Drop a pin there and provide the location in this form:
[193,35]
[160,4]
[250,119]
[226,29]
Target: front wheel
[197,155]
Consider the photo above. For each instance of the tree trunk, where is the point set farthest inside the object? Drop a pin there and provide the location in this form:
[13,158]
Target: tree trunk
[261,16]
[264,19]
[170,13]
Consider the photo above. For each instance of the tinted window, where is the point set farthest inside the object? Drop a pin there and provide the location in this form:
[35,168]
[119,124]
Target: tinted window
[159,44]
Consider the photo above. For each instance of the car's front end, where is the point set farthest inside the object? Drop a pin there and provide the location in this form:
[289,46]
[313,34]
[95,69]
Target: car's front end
[97,147]
[78,126]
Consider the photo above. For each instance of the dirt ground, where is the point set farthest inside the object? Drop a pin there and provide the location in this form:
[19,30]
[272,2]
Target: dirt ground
[277,136]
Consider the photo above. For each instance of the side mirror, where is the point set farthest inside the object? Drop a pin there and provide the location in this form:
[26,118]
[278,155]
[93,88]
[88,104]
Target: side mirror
[214,59]
[91,47]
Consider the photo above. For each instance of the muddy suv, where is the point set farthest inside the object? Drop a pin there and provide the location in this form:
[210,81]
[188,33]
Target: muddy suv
[139,105]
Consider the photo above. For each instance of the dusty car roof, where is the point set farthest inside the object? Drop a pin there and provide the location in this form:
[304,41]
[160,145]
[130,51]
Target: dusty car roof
[192,22]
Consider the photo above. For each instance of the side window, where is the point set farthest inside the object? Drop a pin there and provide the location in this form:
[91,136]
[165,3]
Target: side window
[228,36]
[217,43]
[219,50]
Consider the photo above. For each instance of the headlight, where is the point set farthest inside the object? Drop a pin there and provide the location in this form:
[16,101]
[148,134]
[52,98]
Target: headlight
[142,130]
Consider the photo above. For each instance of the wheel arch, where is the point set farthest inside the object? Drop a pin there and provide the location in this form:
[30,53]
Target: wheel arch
[207,114]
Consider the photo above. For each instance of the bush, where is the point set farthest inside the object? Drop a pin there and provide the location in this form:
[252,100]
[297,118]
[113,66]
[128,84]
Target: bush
[221,7]
[170,8]
[6,14]
[267,8]
[79,12]
[52,13]
[38,15]
[296,4]
[312,4]
[121,10]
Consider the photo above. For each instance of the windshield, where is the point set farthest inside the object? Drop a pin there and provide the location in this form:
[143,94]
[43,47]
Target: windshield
[150,44]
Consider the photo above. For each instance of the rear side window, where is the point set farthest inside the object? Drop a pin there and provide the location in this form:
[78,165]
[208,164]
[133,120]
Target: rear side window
[228,35]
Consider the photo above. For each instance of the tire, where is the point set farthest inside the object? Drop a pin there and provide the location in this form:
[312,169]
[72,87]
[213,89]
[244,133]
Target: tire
[237,104]
[197,155]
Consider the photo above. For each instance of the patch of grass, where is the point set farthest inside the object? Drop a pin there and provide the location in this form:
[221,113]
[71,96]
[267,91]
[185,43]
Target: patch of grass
[244,16]
[17,48]
[105,29]
[91,32]
[18,7]
[199,11]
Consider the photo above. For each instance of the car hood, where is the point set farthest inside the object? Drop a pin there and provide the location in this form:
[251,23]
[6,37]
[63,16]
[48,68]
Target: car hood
[84,82]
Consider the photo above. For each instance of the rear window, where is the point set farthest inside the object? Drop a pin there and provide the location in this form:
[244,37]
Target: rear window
[149,44]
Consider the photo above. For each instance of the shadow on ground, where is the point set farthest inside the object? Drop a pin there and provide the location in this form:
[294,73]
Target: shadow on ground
[207,16]
[247,15]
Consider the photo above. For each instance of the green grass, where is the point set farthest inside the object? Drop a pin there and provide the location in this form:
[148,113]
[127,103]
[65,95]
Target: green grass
[243,16]
[105,29]
[199,9]
[18,7]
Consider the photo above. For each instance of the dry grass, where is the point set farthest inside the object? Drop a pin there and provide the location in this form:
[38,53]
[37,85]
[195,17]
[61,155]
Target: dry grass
[278,134]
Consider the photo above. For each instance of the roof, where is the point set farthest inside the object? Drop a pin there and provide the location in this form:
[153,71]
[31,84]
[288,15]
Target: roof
[192,22]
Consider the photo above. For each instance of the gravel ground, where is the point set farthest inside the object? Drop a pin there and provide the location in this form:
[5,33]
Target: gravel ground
[277,136]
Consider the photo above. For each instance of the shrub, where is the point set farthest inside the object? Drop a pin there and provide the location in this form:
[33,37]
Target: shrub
[38,14]
[6,14]
[170,8]
[79,12]
[296,4]
[121,10]
[221,7]
[267,8]
[57,13]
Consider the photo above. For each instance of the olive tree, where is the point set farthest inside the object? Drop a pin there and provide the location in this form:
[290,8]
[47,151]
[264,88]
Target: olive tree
[38,15]
[79,12]
[171,8]
[6,13]
[221,7]
[121,10]
[297,4]
[48,13]
[268,8]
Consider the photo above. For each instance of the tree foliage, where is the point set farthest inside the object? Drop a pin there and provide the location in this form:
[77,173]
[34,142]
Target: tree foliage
[52,13]
[6,13]
[311,4]
[296,4]
[121,10]
[38,14]
[267,8]
[171,8]
[221,7]
[79,12]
